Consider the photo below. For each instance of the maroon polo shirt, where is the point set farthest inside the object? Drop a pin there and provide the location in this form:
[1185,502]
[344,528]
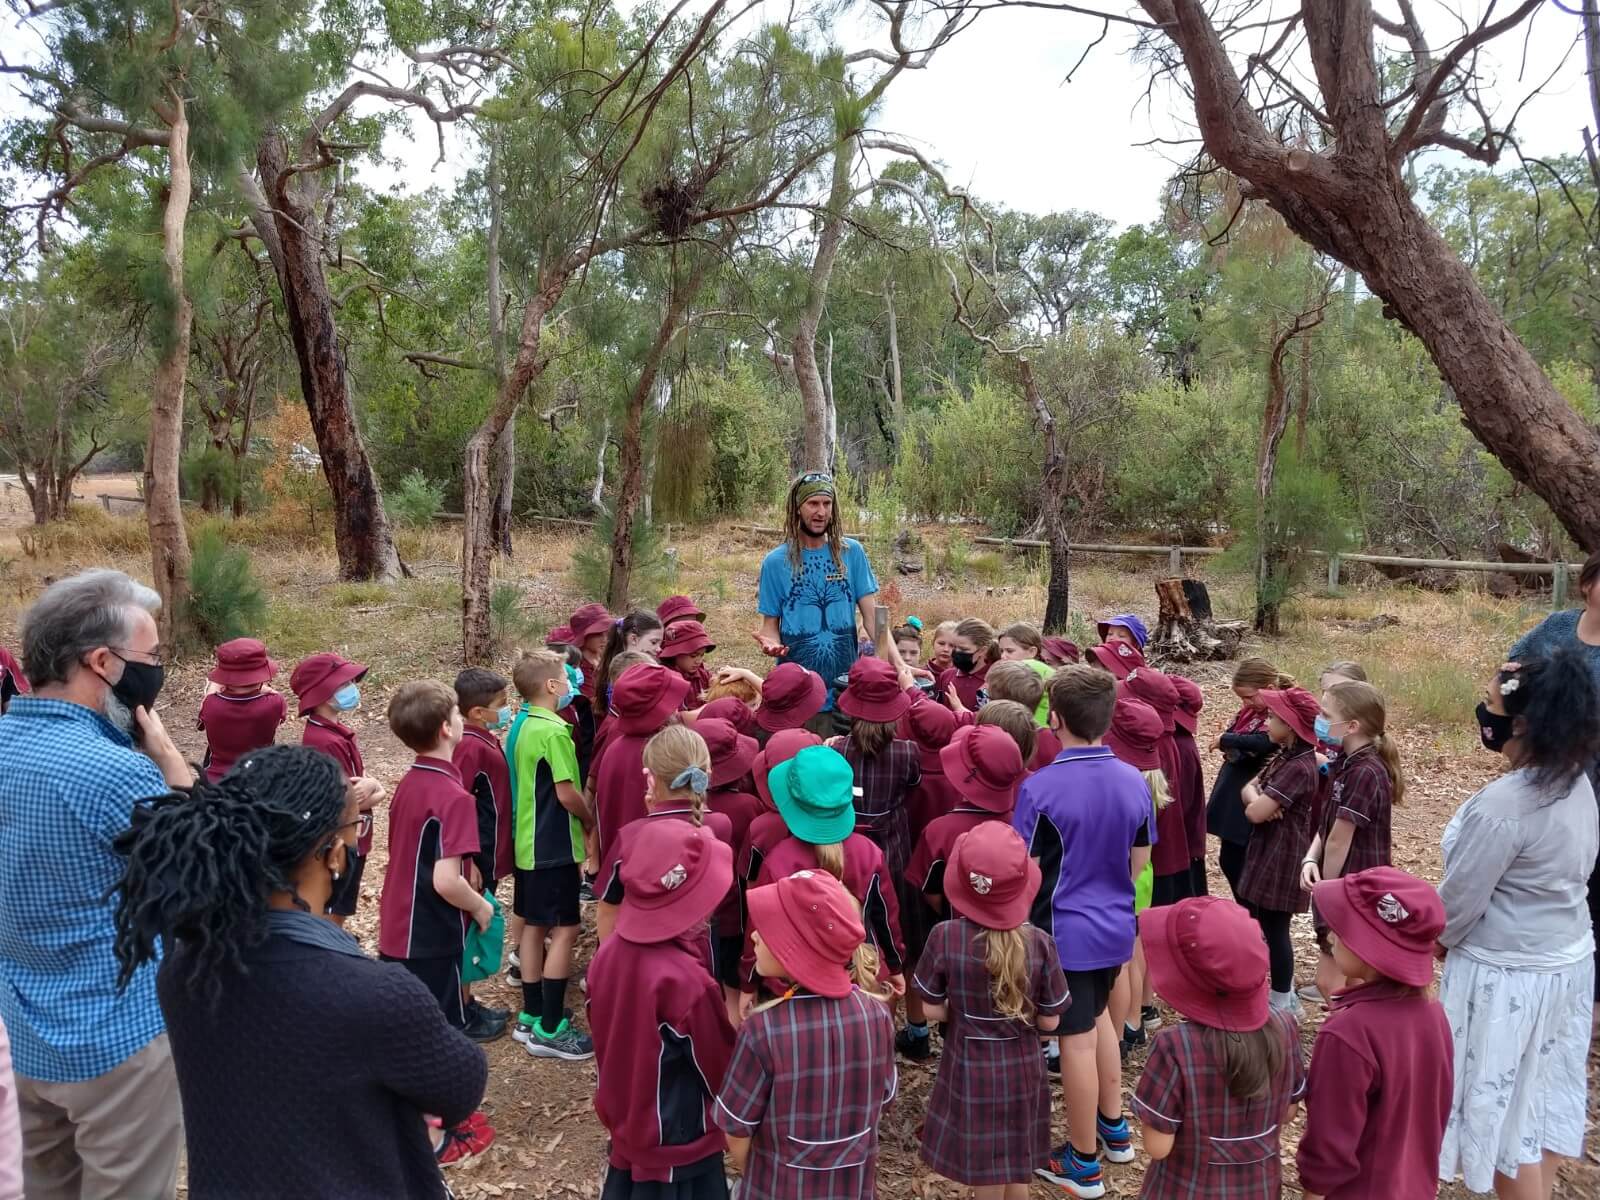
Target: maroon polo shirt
[618,793]
[741,807]
[925,872]
[610,889]
[1169,853]
[766,831]
[1378,1096]
[430,817]
[482,762]
[967,686]
[661,1044]
[236,725]
[339,741]
[1046,745]
[1191,791]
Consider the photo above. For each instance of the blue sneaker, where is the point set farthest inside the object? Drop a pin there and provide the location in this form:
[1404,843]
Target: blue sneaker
[1074,1175]
[1116,1139]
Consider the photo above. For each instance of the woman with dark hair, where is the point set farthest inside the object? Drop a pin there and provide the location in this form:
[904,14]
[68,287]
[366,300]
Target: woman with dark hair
[1519,966]
[304,1066]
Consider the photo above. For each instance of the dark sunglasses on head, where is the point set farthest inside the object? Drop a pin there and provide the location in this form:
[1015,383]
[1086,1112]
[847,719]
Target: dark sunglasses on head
[815,477]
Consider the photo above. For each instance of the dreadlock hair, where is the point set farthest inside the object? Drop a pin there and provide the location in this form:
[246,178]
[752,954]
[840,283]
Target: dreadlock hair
[793,531]
[1559,712]
[1251,1061]
[636,624]
[201,864]
[668,754]
[1006,958]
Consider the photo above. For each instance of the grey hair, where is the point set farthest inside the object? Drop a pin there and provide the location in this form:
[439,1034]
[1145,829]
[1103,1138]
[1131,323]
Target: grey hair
[76,615]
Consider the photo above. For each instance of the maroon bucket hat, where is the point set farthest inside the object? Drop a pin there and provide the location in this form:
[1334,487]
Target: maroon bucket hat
[241,662]
[677,608]
[316,679]
[675,876]
[873,693]
[1208,961]
[645,695]
[790,696]
[731,752]
[990,877]
[984,766]
[1134,734]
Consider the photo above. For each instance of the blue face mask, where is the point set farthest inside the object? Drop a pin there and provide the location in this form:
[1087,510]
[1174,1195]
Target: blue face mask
[503,717]
[1324,730]
[574,682]
[347,698]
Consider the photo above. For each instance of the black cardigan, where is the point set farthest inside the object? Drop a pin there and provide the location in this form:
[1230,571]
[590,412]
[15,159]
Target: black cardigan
[311,1076]
[1243,757]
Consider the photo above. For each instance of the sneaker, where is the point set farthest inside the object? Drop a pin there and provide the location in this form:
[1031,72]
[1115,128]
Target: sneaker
[1133,1035]
[481,1029]
[1116,1139]
[1288,1002]
[514,969]
[1150,1018]
[493,1014]
[1052,1062]
[566,1042]
[523,1030]
[917,1049]
[586,892]
[463,1142]
[1073,1175]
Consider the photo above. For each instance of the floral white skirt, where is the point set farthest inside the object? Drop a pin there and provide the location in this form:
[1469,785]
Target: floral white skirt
[1521,1050]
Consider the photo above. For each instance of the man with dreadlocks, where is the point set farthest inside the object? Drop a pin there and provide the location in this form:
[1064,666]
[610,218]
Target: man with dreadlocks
[813,585]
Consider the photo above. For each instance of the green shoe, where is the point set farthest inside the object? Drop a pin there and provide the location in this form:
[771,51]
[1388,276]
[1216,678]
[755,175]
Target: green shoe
[566,1042]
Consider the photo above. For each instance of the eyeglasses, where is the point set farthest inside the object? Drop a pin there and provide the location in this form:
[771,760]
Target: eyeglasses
[155,655]
[816,477]
[363,824]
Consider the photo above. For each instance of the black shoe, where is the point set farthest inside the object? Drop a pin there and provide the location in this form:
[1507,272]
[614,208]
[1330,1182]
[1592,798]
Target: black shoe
[917,1049]
[586,892]
[1052,1064]
[1150,1018]
[493,1014]
[1132,1036]
[481,1029]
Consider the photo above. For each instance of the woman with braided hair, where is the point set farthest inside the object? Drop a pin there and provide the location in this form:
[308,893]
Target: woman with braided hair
[304,1066]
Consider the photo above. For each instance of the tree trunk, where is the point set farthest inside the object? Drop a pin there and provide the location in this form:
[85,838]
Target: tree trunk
[477,498]
[505,458]
[630,485]
[896,384]
[1274,421]
[169,540]
[1352,203]
[38,490]
[1302,412]
[241,451]
[814,398]
[597,494]
[361,530]
[1052,506]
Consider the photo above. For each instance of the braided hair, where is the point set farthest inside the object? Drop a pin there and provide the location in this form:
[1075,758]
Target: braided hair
[202,863]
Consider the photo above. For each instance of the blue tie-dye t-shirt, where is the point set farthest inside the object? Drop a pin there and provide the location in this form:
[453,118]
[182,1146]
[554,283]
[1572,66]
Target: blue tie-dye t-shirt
[816,605]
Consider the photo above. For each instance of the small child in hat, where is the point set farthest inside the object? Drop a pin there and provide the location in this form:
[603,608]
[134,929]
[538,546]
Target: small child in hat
[1171,852]
[679,608]
[640,632]
[814,792]
[985,766]
[1125,628]
[1382,1071]
[790,697]
[662,1040]
[731,795]
[1220,1085]
[684,648]
[768,828]
[1117,656]
[1191,782]
[1278,806]
[1059,651]
[325,686]
[886,766]
[813,1070]
[241,712]
[996,981]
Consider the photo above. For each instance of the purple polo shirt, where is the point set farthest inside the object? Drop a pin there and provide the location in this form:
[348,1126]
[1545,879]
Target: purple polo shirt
[1082,816]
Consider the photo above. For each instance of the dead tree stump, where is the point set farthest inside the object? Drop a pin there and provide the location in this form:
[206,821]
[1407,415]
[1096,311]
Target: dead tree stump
[1186,630]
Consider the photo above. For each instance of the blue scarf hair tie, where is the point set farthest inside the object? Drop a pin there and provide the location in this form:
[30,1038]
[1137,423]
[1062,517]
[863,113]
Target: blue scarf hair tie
[693,778]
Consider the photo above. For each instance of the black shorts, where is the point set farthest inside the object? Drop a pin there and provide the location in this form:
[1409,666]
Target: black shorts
[703,1180]
[730,948]
[1091,992]
[356,864]
[443,978]
[547,896]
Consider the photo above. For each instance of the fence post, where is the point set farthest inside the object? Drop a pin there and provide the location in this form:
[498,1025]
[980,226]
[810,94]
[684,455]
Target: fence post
[1333,572]
[1175,561]
[1558,586]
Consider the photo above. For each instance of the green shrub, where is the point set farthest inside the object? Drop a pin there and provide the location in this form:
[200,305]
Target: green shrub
[509,625]
[416,502]
[724,446]
[956,558]
[989,567]
[225,598]
[654,569]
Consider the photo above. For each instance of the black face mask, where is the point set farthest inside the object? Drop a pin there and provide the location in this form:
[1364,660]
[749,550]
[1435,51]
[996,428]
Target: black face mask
[347,885]
[1494,729]
[963,661]
[140,684]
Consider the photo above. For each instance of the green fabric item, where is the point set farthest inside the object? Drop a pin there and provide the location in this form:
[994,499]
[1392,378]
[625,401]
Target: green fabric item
[1043,670]
[540,753]
[481,958]
[815,792]
[1143,887]
[817,487]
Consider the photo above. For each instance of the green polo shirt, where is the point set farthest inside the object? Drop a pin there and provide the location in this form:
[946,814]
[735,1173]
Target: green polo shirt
[541,754]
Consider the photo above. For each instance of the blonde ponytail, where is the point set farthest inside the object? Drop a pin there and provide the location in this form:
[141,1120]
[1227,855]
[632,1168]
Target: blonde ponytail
[1158,789]
[830,857]
[675,753]
[1259,673]
[1006,958]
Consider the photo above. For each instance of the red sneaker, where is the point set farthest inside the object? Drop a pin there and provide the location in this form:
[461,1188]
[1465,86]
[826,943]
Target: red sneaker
[463,1142]
[478,1120]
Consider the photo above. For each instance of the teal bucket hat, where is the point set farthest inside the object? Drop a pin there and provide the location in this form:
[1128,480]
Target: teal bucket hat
[815,792]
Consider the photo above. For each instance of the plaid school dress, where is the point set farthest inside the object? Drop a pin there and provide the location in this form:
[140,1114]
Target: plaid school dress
[1271,877]
[1226,1148]
[1359,792]
[988,1118]
[884,782]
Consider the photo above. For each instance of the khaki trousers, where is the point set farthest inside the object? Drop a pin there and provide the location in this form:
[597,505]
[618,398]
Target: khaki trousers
[114,1137]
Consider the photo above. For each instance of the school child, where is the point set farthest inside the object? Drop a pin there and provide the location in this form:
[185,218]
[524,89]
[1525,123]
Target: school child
[1017,721]
[558,639]
[973,652]
[908,641]
[1086,818]
[679,608]
[1117,656]
[996,981]
[733,795]
[1328,757]
[1221,1085]
[1382,1071]
[886,766]
[1125,628]
[638,632]
[590,626]
[1134,737]
[1364,784]
[485,714]
[1022,643]
[791,697]
[549,815]
[813,1070]
[1244,747]
[427,899]
[987,766]
[813,791]
[1278,806]
[768,827]
[944,645]
[13,680]
[661,1036]
[1059,651]
[1171,852]
[325,688]
[930,725]
[684,649]
[244,713]
[735,710]
[1016,682]
[1191,784]
[602,735]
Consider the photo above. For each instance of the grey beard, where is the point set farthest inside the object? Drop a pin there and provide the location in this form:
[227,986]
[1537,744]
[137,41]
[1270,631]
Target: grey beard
[118,713]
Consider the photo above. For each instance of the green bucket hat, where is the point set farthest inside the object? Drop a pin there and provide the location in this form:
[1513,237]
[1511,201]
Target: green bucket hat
[815,792]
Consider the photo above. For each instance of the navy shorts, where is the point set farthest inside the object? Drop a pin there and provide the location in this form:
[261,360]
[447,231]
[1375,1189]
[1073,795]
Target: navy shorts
[547,896]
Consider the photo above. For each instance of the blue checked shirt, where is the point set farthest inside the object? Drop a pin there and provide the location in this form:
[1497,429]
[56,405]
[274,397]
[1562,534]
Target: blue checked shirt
[68,782]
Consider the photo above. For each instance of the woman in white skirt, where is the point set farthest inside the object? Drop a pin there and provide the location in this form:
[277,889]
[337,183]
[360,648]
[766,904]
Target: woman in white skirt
[1519,965]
